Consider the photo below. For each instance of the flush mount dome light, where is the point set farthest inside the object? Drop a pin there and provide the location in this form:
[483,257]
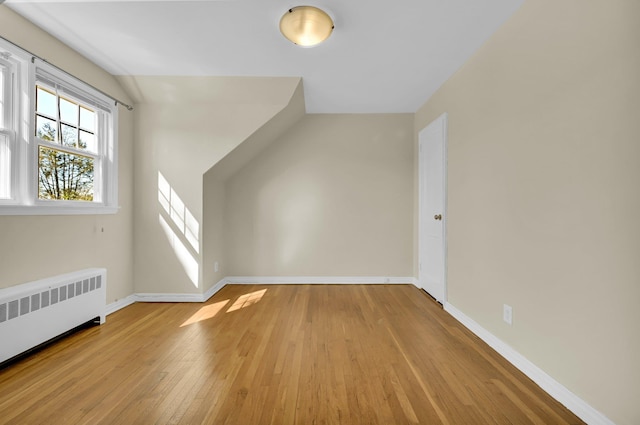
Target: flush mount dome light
[306,25]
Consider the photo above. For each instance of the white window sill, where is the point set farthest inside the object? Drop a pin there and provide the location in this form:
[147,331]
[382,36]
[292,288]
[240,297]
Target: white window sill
[57,210]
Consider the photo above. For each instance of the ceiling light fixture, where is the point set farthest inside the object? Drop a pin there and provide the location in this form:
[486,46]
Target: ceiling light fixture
[306,25]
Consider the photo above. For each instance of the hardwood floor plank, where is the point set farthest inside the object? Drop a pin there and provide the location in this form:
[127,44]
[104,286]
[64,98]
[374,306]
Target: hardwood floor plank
[277,354]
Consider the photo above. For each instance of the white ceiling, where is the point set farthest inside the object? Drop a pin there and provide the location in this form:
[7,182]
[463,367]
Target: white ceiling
[383,56]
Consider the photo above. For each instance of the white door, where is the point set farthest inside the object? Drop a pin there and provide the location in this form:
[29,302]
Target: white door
[432,194]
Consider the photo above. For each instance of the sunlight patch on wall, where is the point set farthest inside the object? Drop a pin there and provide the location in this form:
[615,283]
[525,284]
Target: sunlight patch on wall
[205,313]
[247,300]
[189,263]
[178,212]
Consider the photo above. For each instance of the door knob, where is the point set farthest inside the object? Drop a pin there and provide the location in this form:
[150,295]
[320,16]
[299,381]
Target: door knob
[438,217]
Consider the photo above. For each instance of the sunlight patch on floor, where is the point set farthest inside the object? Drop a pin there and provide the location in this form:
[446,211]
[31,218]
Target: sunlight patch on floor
[205,313]
[247,300]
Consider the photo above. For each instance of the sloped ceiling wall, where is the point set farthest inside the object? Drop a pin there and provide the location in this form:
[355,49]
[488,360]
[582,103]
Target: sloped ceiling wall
[183,126]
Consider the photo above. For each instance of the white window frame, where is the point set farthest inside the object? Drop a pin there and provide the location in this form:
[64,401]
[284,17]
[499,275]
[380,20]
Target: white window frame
[28,72]
[18,73]
[6,119]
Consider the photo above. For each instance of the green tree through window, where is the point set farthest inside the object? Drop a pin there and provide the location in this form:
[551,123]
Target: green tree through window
[63,175]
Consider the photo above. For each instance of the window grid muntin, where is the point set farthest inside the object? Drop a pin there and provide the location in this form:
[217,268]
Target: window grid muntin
[60,122]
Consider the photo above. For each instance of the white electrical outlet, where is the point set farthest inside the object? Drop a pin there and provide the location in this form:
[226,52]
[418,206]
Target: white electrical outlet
[216,267]
[507,314]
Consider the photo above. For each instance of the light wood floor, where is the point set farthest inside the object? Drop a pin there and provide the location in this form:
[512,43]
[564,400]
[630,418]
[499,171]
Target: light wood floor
[290,354]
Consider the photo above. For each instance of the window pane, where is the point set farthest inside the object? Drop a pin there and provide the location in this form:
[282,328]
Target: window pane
[46,129]
[45,102]
[5,167]
[68,112]
[63,175]
[69,135]
[87,141]
[87,119]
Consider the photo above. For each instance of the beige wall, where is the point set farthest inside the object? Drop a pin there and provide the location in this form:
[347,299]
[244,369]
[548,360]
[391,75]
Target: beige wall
[183,126]
[332,197]
[35,247]
[544,205]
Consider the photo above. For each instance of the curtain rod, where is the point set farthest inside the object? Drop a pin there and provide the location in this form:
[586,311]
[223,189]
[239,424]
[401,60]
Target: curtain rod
[34,57]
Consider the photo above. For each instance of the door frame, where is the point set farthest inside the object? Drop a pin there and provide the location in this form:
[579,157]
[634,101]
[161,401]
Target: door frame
[444,121]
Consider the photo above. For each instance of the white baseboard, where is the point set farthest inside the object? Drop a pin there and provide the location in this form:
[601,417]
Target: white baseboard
[555,389]
[215,288]
[164,298]
[120,304]
[169,298]
[313,280]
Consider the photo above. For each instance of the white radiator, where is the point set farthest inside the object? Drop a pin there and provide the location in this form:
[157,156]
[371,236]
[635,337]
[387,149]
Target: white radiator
[35,312]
